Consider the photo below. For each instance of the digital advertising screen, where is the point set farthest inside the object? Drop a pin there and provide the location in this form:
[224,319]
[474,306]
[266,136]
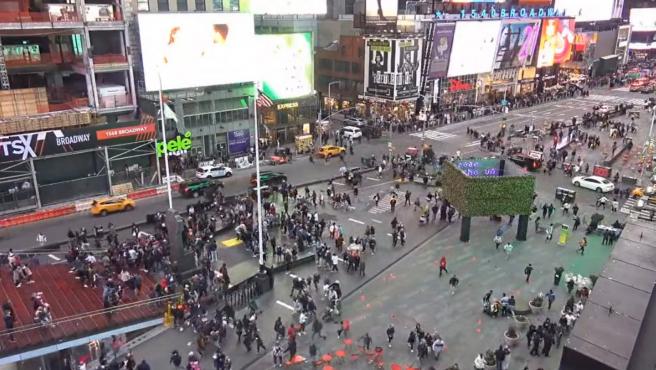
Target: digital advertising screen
[280,7]
[469,59]
[286,69]
[381,11]
[586,10]
[643,19]
[442,43]
[517,41]
[408,61]
[556,40]
[196,49]
[379,67]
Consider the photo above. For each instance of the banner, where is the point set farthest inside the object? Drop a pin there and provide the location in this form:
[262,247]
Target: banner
[408,61]
[379,68]
[517,42]
[22,147]
[442,43]
[239,141]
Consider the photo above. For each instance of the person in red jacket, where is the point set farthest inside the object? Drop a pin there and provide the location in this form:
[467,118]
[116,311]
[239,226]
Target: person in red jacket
[443,266]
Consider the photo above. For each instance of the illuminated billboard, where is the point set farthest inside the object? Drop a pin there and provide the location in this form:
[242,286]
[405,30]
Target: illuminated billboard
[517,41]
[281,7]
[474,45]
[392,68]
[556,40]
[643,19]
[586,10]
[442,43]
[196,49]
[285,68]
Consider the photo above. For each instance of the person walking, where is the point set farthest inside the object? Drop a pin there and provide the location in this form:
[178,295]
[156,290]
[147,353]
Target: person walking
[317,326]
[390,335]
[453,284]
[366,341]
[438,347]
[497,241]
[570,286]
[479,362]
[549,232]
[551,297]
[527,271]
[582,244]
[277,354]
[500,356]
[508,248]
[443,265]
[412,338]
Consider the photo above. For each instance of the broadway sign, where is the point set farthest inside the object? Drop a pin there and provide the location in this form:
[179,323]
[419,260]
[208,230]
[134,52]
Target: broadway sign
[21,147]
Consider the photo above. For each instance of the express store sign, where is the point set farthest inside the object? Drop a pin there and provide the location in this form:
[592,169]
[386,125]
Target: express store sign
[22,147]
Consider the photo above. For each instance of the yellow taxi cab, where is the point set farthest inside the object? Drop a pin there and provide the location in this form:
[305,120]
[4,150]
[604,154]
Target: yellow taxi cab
[105,206]
[328,151]
[640,192]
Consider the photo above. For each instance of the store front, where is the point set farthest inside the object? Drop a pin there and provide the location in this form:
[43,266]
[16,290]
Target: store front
[287,119]
[47,167]
[457,91]
[547,78]
[500,84]
[526,80]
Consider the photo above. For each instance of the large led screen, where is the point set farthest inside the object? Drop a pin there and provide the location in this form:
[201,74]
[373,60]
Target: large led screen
[474,45]
[281,7]
[285,64]
[643,19]
[442,43]
[196,49]
[586,10]
[517,41]
[381,11]
[556,40]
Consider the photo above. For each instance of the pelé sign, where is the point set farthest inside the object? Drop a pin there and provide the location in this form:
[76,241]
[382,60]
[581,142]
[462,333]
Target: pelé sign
[176,147]
[495,13]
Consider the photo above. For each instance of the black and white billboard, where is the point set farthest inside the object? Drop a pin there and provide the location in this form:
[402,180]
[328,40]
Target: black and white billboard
[392,68]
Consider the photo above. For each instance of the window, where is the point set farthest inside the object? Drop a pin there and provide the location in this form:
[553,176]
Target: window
[361,52]
[355,68]
[217,5]
[326,64]
[234,5]
[142,5]
[341,66]
[182,6]
[162,5]
[348,6]
[200,5]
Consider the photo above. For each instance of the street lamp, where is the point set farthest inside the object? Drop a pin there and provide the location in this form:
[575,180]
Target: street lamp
[330,100]
[166,151]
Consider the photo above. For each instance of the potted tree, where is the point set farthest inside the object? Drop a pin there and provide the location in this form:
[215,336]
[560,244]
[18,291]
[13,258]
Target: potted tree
[490,360]
[511,336]
[521,321]
[537,304]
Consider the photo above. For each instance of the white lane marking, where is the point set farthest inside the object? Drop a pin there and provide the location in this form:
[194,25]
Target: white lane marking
[292,276]
[373,179]
[388,234]
[291,308]
[356,221]
[473,143]
[54,257]
[377,221]
[338,183]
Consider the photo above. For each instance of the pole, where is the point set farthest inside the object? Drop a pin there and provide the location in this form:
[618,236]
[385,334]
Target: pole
[166,151]
[159,171]
[35,184]
[109,171]
[257,179]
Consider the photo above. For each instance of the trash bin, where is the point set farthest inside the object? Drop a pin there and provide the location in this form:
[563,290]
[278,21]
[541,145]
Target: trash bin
[263,282]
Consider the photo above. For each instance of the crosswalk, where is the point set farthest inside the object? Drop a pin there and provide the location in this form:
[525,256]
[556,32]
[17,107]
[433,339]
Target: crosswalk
[615,99]
[629,208]
[383,205]
[473,143]
[434,135]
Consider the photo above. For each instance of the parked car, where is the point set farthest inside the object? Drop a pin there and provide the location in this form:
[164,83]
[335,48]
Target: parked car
[596,183]
[328,151]
[194,188]
[355,121]
[268,178]
[104,206]
[213,171]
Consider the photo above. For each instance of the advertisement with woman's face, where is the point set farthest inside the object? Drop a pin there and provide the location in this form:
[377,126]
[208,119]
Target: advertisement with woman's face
[556,40]
[195,50]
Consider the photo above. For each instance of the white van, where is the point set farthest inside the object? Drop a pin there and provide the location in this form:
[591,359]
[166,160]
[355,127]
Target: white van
[351,132]
[213,172]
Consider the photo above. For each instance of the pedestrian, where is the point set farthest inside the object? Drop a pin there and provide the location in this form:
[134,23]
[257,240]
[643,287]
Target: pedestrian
[577,222]
[317,326]
[142,366]
[412,338]
[497,241]
[549,231]
[537,224]
[335,260]
[527,271]
[313,352]
[550,210]
[479,362]
[277,354]
[551,297]
[366,341]
[344,328]
[487,296]
[500,356]
[508,248]
[582,244]
[453,284]
[291,348]
[438,347]
[443,265]
[570,286]
[175,359]
[362,267]
[390,335]
[9,317]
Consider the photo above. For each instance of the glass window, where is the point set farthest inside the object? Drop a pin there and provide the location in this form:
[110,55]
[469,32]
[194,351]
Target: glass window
[182,6]
[142,6]
[217,5]
[341,66]
[234,5]
[326,64]
[200,5]
[348,6]
[355,68]
[163,5]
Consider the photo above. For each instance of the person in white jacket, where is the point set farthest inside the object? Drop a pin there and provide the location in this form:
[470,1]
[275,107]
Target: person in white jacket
[479,362]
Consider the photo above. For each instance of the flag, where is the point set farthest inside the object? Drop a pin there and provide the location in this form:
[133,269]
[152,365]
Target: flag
[263,100]
[169,114]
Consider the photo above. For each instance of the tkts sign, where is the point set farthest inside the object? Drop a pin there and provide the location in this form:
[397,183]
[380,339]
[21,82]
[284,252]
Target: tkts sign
[21,147]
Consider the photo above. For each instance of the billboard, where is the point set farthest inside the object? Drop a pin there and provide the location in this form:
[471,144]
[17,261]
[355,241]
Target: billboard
[281,7]
[286,69]
[408,62]
[379,68]
[643,19]
[586,10]
[556,39]
[381,12]
[239,141]
[442,43]
[196,49]
[474,45]
[21,147]
[517,41]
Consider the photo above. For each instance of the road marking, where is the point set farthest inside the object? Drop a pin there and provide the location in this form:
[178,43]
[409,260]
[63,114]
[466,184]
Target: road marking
[292,276]
[356,221]
[54,257]
[377,221]
[388,234]
[338,183]
[291,308]
[434,135]
[373,179]
[473,143]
